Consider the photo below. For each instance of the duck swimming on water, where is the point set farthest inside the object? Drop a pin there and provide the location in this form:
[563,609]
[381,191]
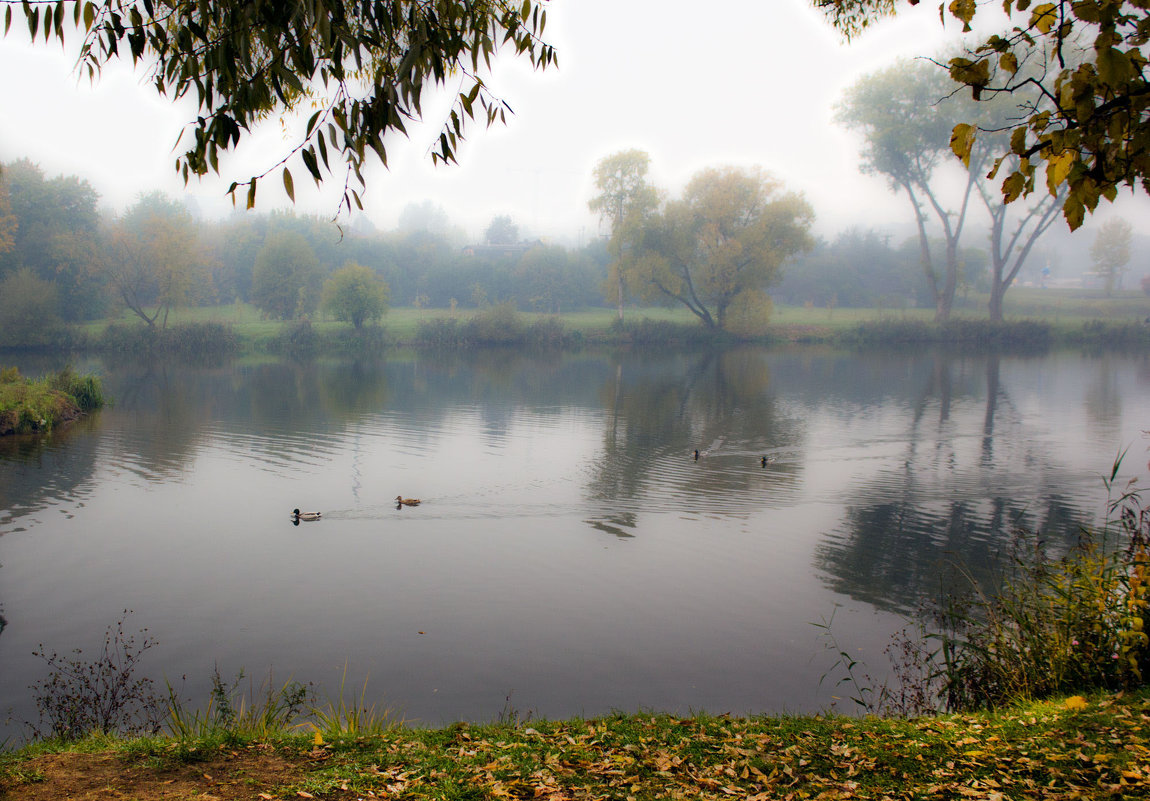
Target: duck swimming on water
[402,501]
[298,515]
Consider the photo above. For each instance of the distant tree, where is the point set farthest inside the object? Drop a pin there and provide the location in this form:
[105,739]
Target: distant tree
[1111,252]
[233,244]
[154,259]
[286,276]
[27,309]
[427,216]
[8,221]
[364,67]
[722,244]
[54,235]
[906,128]
[626,201]
[501,231]
[1077,72]
[858,268]
[355,294]
[543,276]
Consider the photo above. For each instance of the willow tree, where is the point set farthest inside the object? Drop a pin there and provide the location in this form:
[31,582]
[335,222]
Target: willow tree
[364,66]
[721,245]
[625,202]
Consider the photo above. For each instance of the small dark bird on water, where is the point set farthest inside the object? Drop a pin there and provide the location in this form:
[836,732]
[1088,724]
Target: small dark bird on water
[696,454]
[768,460]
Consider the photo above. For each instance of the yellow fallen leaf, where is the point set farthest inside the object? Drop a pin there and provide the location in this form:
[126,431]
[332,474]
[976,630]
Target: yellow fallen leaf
[318,739]
[1076,702]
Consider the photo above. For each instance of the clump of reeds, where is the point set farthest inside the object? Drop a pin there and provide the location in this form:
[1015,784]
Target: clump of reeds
[37,405]
[1059,624]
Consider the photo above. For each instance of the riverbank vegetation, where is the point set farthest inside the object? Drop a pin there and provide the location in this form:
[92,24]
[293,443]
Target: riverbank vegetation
[1074,747]
[158,280]
[38,405]
[1060,319]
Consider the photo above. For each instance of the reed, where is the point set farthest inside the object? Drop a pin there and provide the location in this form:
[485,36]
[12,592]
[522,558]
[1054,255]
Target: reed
[352,716]
[231,713]
[1059,624]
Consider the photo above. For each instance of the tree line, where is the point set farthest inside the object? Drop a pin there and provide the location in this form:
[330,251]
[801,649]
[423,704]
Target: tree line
[63,260]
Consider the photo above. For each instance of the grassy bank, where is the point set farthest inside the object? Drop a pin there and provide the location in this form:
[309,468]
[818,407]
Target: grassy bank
[1070,748]
[29,406]
[1035,319]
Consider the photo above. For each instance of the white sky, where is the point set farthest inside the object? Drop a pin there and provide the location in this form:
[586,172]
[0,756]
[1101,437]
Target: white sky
[728,82]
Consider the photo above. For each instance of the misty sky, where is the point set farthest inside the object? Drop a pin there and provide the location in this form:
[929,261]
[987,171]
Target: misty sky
[694,85]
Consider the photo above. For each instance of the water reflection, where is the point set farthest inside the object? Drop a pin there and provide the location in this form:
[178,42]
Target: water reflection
[564,518]
[947,516]
[691,439]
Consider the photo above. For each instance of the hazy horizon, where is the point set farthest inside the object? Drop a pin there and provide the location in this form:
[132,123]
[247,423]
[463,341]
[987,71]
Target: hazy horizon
[695,92]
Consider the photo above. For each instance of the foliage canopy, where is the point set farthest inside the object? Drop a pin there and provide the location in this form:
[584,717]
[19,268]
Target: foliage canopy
[363,66]
[1086,116]
[715,249]
[354,294]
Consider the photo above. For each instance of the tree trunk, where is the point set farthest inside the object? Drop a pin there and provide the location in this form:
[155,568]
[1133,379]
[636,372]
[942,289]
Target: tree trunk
[997,295]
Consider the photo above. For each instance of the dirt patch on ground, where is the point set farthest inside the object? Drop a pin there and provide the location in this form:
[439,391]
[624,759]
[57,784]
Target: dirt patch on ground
[231,776]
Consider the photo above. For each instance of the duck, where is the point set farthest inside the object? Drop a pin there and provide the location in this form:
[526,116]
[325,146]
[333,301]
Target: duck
[298,515]
[768,460]
[402,501]
[696,454]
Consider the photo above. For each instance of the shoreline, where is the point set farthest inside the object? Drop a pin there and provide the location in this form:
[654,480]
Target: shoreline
[1094,747]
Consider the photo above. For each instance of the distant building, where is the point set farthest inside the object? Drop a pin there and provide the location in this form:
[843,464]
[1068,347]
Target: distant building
[516,249]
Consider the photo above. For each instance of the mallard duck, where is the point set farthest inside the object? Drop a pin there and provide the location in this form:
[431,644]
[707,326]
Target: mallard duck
[768,460]
[696,454]
[402,501]
[298,515]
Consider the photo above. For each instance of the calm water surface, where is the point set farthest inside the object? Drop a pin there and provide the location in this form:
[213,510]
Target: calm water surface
[570,552]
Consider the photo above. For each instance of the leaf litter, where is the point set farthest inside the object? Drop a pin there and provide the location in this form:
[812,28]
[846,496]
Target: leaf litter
[1074,748]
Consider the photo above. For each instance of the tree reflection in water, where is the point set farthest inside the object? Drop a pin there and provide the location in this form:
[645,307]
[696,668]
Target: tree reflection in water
[937,524]
[720,402]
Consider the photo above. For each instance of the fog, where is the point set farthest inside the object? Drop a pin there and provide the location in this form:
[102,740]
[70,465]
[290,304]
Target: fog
[737,83]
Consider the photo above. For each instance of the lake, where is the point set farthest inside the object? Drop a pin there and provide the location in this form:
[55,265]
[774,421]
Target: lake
[571,556]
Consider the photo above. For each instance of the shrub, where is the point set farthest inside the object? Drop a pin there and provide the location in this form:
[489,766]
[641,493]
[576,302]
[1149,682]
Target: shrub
[188,341]
[298,339]
[1027,334]
[547,332]
[101,696]
[1058,624]
[496,325]
[28,311]
[440,333]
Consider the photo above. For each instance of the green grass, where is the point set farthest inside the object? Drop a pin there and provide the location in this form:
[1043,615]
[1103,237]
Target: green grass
[1096,748]
[1067,312]
[38,405]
